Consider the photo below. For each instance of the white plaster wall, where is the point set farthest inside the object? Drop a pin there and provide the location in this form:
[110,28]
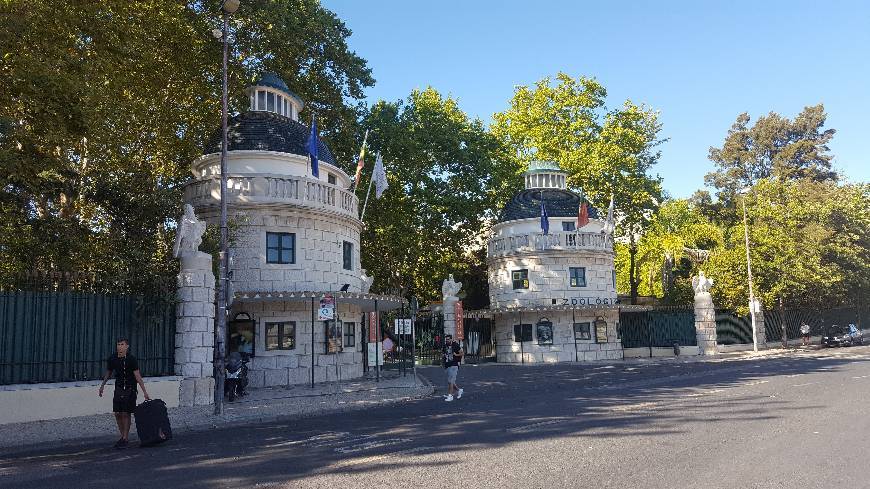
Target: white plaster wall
[36,402]
[526,226]
[289,367]
[266,162]
[549,279]
[563,348]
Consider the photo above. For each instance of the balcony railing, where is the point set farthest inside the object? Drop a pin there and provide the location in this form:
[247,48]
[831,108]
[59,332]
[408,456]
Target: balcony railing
[301,191]
[533,242]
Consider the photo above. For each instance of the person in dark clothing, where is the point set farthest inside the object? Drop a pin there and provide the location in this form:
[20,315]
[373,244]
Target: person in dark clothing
[452,357]
[125,368]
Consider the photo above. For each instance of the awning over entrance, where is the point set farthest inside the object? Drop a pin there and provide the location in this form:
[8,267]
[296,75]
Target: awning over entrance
[366,302]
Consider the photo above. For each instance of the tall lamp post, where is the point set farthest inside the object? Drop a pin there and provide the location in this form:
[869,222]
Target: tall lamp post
[749,273]
[228,7]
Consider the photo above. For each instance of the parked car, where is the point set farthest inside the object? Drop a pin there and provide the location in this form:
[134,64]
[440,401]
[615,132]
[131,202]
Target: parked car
[843,336]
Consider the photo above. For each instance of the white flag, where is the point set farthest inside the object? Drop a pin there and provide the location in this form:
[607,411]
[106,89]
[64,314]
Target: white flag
[380,176]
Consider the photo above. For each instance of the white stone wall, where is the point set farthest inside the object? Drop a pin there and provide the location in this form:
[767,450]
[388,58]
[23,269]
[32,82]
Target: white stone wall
[563,348]
[526,226]
[266,163]
[194,329]
[549,279]
[319,262]
[289,367]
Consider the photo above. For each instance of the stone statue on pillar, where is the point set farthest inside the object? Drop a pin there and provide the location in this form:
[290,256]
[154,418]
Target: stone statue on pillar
[189,234]
[701,285]
[449,291]
[195,311]
[188,237]
[705,315]
[366,281]
[450,288]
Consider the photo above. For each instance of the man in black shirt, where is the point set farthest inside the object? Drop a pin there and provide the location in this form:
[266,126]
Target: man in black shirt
[126,370]
[452,357]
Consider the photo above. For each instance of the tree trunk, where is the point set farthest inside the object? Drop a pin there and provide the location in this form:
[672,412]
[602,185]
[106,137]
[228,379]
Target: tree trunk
[632,270]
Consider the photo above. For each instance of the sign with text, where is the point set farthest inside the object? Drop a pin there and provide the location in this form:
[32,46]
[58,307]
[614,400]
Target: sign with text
[327,308]
[373,327]
[460,326]
[375,354]
[403,326]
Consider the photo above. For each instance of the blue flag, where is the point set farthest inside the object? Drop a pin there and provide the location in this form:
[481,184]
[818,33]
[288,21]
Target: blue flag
[545,221]
[311,145]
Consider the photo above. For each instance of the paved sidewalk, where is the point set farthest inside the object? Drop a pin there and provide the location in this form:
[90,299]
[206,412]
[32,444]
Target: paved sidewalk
[260,405]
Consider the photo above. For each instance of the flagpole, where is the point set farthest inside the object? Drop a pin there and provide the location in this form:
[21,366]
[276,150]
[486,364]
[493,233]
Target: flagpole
[369,191]
[362,152]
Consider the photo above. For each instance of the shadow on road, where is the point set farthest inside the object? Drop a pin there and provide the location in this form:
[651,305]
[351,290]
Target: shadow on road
[503,405]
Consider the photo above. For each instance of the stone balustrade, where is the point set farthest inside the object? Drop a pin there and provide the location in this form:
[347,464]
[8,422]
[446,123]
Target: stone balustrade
[562,241]
[280,189]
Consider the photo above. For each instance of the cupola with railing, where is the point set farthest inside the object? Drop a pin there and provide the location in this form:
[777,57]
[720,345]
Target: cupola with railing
[270,94]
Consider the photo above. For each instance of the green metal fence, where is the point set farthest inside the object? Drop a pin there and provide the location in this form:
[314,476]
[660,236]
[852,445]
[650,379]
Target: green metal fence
[732,329]
[662,327]
[67,336]
[817,319]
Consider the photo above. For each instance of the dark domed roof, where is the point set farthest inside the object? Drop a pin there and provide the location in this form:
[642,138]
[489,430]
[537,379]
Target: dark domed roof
[526,204]
[267,131]
[274,81]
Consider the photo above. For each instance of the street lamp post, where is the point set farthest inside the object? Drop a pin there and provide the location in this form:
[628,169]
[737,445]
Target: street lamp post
[749,273]
[228,7]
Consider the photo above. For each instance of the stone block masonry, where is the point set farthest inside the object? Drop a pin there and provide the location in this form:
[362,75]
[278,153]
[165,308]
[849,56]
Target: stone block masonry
[194,337]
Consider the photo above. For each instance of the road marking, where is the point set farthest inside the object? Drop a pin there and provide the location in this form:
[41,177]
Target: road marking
[757,382]
[369,445]
[534,426]
[374,458]
[861,377]
[704,393]
[804,385]
[633,407]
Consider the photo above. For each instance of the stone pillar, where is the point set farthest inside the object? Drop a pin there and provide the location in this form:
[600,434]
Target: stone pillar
[449,289]
[761,335]
[705,316]
[194,329]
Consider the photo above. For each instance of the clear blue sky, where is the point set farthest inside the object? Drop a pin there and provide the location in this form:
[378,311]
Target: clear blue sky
[699,63]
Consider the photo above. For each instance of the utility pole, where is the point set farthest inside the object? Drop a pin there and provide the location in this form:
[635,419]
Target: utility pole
[228,7]
[749,273]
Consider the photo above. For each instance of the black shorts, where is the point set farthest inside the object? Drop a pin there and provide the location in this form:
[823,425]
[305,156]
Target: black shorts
[124,403]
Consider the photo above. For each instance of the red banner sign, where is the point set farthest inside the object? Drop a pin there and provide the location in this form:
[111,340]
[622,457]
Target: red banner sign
[373,327]
[460,327]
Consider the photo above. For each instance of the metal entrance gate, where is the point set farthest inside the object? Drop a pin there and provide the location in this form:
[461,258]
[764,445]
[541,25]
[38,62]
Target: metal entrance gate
[479,340]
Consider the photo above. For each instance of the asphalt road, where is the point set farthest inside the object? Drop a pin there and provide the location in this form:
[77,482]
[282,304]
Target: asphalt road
[798,421]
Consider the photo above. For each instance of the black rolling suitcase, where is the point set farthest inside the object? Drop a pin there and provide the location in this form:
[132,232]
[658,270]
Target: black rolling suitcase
[152,423]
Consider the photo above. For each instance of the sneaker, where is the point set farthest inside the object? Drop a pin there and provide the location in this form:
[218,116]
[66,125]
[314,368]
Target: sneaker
[449,398]
[459,394]
[122,443]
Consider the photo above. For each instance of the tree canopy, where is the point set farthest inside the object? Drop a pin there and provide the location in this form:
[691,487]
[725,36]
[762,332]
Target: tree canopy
[106,103]
[444,185]
[774,146]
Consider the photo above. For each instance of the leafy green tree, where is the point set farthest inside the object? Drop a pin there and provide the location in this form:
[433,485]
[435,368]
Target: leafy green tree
[774,146]
[443,186]
[604,152]
[105,104]
[809,243]
[678,238]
